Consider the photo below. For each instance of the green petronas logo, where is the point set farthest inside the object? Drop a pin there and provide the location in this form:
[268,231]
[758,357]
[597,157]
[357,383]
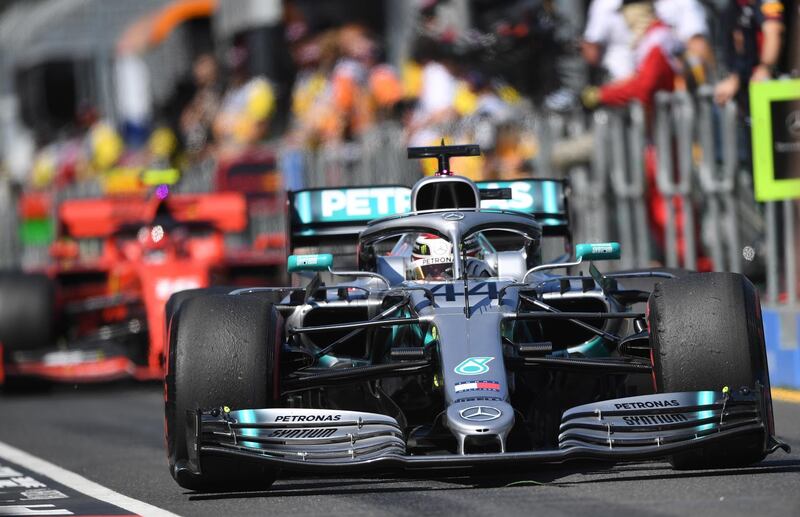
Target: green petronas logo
[473,366]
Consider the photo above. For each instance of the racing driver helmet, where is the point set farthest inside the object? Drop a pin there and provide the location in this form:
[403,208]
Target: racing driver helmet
[155,242]
[431,258]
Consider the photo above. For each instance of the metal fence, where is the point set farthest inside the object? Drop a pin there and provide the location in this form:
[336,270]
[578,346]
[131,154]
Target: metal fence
[685,151]
[701,172]
[674,155]
[376,157]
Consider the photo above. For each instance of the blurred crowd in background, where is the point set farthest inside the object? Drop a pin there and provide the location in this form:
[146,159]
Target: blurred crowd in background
[323,73]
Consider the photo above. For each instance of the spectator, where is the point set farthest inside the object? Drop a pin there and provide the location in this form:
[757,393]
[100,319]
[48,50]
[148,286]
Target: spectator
[349,81]
[655,68]
[315,56]
[654,50]
[607,40]
[755,32]
[437,95]
[386,90]
[340,85]
[198,116]
[245,108]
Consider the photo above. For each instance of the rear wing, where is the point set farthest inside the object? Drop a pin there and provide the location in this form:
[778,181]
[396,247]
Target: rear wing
[255,173]
[545,199]
[92,218]
[330,219]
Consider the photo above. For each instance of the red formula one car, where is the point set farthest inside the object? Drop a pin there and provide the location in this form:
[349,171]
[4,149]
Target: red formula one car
[97,312]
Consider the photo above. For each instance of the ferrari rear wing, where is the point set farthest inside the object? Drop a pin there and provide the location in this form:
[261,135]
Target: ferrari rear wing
[330,219]
[90,218]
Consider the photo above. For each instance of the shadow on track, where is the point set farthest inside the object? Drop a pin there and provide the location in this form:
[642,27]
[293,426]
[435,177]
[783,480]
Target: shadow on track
[665,472]
[546,477]
[399,482]
[33,387]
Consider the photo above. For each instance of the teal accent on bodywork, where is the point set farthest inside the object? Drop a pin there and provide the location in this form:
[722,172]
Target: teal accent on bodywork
[304,209]
[534,196]
[550,197]
[429,337]
[319,262]
[705,398]
[349,205]
[326,361]
[426,339]
[598,251]
[249,417]
[595,347]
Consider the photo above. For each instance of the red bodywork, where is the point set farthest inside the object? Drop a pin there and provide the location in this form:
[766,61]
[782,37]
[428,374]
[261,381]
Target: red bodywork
[105,277]
[113,276]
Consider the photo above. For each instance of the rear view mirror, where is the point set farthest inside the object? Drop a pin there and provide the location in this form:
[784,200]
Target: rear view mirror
[597,251]
[318,262]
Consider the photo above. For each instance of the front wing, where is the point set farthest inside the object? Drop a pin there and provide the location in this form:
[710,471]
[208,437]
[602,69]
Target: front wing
[634,428]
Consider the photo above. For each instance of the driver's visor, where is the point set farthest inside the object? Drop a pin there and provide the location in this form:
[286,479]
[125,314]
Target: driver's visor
[432,268]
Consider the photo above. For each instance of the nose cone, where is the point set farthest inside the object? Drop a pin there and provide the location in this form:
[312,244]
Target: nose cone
[482,420]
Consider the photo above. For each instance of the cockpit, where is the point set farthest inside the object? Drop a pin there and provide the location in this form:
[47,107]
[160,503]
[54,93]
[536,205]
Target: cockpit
[438,245]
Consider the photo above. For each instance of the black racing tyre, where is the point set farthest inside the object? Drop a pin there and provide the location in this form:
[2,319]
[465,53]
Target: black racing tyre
[27,311]
[176,300]
[648,283]
[706,333]
[222,351]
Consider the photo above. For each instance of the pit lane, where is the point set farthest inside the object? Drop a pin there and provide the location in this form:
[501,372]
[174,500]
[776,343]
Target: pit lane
[113,435]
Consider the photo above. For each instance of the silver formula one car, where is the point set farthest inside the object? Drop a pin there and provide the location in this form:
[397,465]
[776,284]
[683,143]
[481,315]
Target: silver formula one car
[449,342]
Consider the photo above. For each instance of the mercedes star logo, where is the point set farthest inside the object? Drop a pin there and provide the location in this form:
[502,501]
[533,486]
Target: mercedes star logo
[793,123]
[480,413]
[453,216]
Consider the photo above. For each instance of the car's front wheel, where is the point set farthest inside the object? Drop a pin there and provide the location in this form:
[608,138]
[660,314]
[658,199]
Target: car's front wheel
[706,333]
[222,352]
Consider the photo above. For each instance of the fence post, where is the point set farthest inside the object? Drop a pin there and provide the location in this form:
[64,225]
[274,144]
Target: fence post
[548,124]
[676,109]
[730,163]
[773,250]
[627,182]
[718,182]
[789,259]
[616,134]
[589,186]
[636,136]
[664,172]
[685,133]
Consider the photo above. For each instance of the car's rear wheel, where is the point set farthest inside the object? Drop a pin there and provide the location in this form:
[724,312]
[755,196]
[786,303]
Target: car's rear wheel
[706,333]
[222,352]
[27,311]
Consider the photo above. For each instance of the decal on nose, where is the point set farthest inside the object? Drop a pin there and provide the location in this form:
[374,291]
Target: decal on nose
[473,366]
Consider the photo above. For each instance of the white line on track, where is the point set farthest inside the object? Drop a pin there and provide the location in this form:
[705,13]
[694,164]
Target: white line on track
[80,483]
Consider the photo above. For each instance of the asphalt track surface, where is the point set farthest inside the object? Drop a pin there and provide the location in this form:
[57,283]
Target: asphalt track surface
[113,435]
